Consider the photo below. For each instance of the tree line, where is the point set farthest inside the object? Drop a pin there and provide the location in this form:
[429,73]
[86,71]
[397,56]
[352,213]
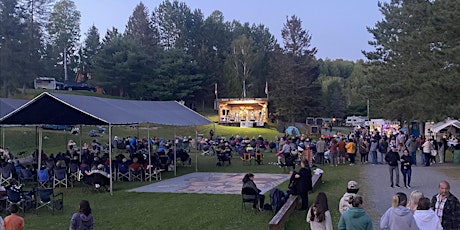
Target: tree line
[175,53]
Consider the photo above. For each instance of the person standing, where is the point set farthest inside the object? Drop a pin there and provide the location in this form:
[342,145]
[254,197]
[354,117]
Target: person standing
[342,150]
[412,146]
[352,190]
[373,150]
[425,218]
[351,151]
[304,184]
[318,215]
[413,200]
[398,216]
[383,149]
[333,152]
[320,149]
[447,207]
[13,221]
[426,148]
[355,217]
[406,170]
[83,219]
[392,159]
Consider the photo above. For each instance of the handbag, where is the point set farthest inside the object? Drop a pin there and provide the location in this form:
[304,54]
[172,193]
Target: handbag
[434,152]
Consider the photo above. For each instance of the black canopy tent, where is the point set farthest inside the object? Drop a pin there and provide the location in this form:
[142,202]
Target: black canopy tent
[68,109]
[7,105]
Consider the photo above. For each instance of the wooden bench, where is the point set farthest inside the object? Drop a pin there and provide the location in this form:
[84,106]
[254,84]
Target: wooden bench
[279,220]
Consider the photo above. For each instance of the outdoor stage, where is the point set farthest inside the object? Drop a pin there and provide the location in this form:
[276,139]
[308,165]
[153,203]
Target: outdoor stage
[213,183]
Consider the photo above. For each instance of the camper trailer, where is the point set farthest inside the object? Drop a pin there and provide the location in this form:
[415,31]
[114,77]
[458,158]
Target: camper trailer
[46,83]
[355,121]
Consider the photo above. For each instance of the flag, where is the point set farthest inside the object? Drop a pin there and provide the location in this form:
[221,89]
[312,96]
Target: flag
[266,87]
[215,89]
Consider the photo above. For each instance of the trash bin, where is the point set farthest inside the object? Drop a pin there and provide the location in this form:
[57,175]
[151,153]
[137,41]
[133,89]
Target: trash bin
[456,156]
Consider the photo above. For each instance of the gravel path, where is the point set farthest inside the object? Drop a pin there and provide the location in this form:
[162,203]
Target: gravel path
[378,193]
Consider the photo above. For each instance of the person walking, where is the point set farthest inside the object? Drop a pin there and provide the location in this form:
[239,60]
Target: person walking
[13,221]
[355,217]
[318,215]
[406,162]
[398,216]
[425,218]
[83,219]
[392,158]
[447,207]
[304,184]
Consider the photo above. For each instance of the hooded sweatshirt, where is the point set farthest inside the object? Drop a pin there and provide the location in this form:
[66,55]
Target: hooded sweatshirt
[356,219]
[81,221]
[398,218]
[427,220]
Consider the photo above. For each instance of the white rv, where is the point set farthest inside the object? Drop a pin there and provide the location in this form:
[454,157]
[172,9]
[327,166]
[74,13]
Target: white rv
[47,83]
[355,121]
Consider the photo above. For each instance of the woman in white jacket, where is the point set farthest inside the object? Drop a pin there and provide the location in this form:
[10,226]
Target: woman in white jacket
[425,218]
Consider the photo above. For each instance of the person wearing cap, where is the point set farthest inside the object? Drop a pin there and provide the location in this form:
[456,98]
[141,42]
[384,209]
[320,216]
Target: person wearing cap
[352,190]
[392,158]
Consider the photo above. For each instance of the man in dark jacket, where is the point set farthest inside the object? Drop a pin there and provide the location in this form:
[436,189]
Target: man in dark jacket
[447,207]
[392,159]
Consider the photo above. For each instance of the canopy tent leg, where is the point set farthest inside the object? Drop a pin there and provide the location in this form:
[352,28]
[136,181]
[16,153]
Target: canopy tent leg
[110,159]
[40,146]
[174,149]
[196,152]
[148,154]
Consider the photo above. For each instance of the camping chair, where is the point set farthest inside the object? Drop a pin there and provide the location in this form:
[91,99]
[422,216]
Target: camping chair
[14,197]
[27,175]
[248,195]
[47,198]
[123,172]
[74,173]
[6,177]
[259,158]
[152,173]
[60,177]
[135,174]
[43,178]
[247,158]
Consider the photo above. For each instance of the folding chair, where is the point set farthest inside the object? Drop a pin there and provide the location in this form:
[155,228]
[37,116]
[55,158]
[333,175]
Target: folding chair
[247,158]
[27,175]
[43,178]
[74,173]
[152,173]
[248,195]
[135,174]
[6,177]
[123,172]
[259,158]
[60,177]
[47,198]
[14,197]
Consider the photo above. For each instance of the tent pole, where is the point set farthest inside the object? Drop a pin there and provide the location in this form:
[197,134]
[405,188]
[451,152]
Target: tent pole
[148,153]
[174,149]
[79,134]
[110,159]
[40,142]
[196,152]
[3,137]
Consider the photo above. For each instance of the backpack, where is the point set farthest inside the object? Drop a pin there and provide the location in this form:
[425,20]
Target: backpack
[277,198]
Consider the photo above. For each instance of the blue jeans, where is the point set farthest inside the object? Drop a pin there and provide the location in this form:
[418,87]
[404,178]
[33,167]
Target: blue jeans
[407,174]
[413,155]
[374,157]
[382,157]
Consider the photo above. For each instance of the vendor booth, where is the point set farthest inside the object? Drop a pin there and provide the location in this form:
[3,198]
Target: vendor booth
[243,112]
